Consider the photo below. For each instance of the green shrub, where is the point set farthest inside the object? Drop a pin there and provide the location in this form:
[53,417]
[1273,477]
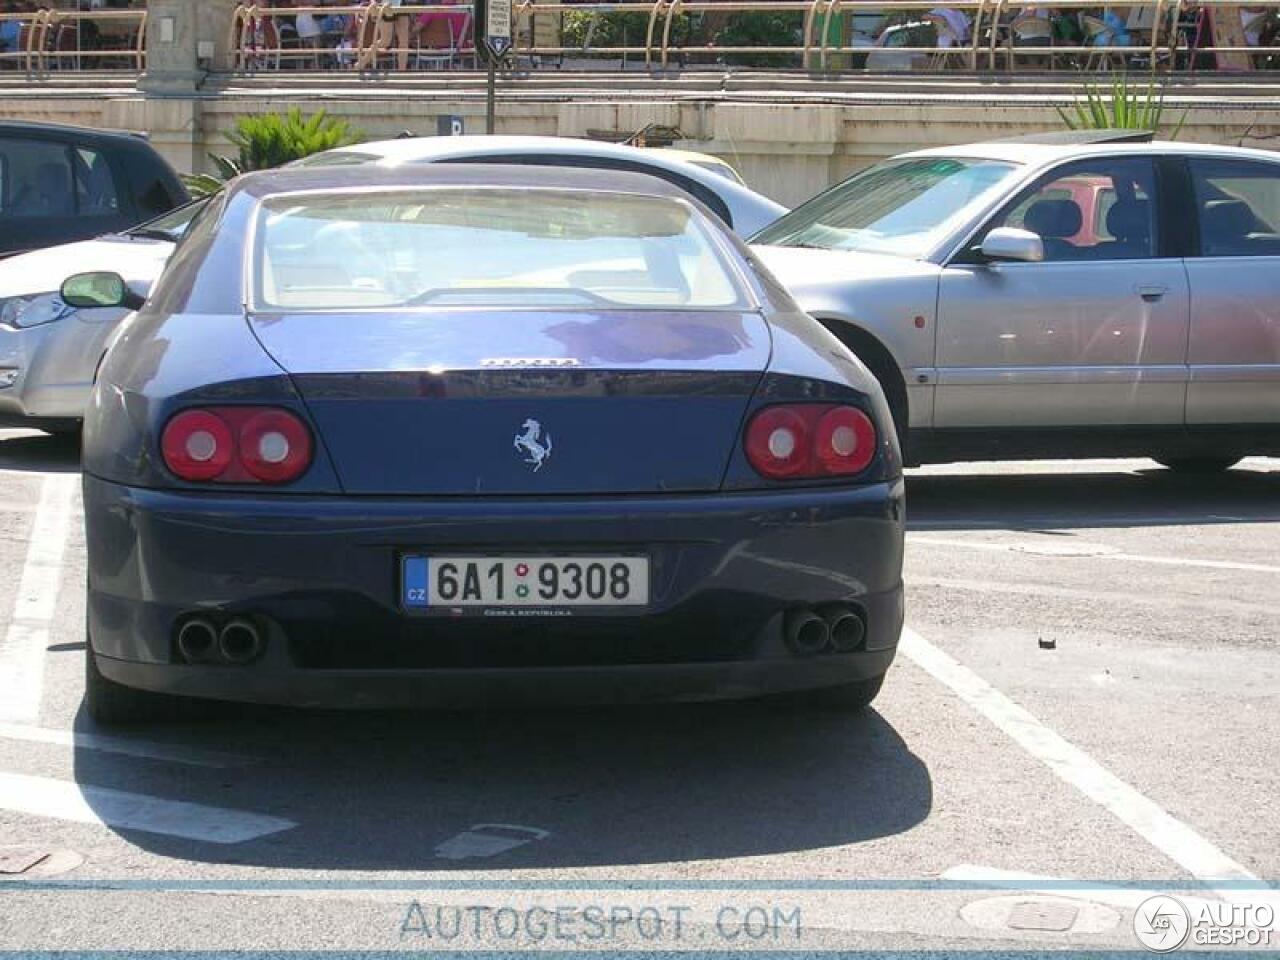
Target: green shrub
[272,140]
[617,29]
[762,30]
[1124,108]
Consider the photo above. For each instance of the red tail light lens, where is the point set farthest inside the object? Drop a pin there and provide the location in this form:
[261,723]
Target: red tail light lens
[778,443]
[810,441]
[237,445]
[197,445]
[845,442]
[275,446]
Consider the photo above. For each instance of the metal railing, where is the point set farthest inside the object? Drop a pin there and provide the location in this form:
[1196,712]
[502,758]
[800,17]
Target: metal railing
[60,39]
[664,34]
[995,34]
[257,41]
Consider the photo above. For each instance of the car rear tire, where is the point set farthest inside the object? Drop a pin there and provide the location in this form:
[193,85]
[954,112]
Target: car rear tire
[111,704]
[1198,464]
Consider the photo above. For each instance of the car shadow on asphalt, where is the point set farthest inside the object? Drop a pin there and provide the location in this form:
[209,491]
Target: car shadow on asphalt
[1137,498]
[41,453]
[378,792]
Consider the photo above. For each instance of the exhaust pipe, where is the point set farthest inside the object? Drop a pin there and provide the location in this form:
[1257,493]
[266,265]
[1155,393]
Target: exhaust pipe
[806,633]
[848,630]
[240,641]
[197,640]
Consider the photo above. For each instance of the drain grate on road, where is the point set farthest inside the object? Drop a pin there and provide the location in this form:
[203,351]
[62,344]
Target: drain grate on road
[1036,916]
[1051,916]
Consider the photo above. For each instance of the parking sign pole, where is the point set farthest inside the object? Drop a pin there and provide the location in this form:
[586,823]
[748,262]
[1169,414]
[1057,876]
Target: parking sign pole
[497,44]
[490,98]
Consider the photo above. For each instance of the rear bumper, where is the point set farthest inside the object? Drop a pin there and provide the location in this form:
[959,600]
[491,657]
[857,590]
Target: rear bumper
[382,689]
[319,574]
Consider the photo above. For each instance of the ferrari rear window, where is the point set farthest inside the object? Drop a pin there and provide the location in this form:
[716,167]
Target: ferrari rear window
[487,247]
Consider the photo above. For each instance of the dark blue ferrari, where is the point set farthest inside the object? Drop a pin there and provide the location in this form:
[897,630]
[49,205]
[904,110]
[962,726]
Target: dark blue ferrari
[454,435]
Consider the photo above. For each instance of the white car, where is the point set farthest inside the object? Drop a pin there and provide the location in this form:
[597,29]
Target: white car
[49,352]
[744,210]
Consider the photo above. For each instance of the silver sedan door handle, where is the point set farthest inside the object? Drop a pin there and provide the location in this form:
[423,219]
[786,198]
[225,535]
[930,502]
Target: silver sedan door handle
[1150,291]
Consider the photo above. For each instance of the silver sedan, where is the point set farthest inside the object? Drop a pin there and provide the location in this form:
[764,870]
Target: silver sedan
[49,350]
[1056,297]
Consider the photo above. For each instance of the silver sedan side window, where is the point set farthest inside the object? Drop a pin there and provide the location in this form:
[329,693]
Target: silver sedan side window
[1238,203]
[1091,210]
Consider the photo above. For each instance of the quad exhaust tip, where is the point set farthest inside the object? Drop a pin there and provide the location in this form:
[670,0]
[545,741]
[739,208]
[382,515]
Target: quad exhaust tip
[848,630]
[806,633]
[834,629]
[240,641]
[198,640]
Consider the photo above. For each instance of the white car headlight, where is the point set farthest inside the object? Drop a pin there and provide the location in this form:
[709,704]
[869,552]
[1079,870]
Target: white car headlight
[32,309]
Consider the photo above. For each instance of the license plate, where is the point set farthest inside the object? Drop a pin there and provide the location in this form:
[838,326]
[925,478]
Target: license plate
[429,582]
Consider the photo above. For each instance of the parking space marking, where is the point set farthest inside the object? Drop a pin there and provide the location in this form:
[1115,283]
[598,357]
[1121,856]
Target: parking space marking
[1104,553]
[23,647]
[125,746]
[118,809]
[1173,838]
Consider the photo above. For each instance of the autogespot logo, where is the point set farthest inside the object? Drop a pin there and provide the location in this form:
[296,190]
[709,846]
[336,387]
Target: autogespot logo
[1161,923]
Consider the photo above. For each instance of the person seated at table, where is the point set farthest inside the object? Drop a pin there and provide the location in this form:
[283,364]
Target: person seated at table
[1117,32]
[958,21]
[335,24]
[441,30]
[10,30]
[309,28]
[1252,20]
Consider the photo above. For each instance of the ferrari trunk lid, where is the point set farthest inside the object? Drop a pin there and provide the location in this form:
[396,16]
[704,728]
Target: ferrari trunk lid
[478,402]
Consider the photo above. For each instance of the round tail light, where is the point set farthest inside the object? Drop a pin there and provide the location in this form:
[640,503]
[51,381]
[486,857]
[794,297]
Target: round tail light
[810,441]
[275,446]
[236,445]
[197,445]
[778,443]
[845,442]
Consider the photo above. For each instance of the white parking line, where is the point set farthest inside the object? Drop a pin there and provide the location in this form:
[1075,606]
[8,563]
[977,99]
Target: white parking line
[42,797]
[1102,553]
[22,649]
[125,746]
[1173,838]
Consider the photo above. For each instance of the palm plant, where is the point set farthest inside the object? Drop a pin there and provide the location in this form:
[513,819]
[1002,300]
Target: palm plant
[271,140]
[1124,108]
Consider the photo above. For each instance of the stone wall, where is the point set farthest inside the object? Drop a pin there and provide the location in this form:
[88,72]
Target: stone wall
[790,136]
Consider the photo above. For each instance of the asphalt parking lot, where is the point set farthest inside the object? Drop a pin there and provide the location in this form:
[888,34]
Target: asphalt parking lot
[1083,712]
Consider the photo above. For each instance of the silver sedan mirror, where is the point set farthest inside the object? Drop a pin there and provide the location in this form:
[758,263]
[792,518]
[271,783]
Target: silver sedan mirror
[1008,243]
[94,290]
